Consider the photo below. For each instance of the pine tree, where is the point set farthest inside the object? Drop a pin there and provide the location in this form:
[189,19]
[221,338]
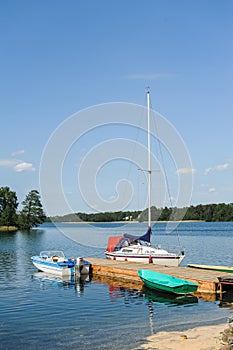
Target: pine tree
[32,213]
[8,206]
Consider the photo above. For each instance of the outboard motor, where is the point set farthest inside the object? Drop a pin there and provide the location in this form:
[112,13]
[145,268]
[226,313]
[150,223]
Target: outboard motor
[78,265]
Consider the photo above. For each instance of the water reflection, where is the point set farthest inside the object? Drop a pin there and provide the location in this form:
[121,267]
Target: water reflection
[152,298]
[155,297]
[128,295]
[169,299]
[226,299]
[46,280]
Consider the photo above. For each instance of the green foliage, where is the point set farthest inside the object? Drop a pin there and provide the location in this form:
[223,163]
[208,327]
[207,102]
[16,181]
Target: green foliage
[98,217]
[8,207]
[207,212]
[210,212]
[32,213]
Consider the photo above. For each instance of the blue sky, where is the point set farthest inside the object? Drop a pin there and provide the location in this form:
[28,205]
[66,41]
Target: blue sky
[59,57]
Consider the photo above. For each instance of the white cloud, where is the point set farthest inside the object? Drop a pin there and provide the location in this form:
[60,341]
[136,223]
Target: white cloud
[184,171]
[208,170]
[24,167]
[16,164]
[151,76]
[21,151]
[212,189]
[8,162]
[220,167]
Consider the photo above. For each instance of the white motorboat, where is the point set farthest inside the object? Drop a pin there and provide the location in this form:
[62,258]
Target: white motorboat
[138,248]
[55,262]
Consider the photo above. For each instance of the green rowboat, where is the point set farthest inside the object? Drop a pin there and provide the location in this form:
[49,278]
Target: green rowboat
[227,269]
[166,283]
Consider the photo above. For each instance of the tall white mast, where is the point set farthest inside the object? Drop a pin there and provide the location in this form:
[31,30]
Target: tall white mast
[149,158]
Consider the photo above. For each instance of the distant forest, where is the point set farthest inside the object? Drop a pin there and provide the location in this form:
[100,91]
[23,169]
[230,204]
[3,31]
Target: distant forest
[207,212]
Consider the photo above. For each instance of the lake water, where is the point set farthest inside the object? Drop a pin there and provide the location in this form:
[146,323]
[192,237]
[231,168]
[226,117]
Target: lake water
[38,312]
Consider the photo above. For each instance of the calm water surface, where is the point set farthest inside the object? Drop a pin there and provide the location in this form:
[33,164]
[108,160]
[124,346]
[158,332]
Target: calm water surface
[39,312]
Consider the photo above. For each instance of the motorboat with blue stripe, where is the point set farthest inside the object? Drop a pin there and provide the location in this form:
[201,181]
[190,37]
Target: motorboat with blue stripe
[55,262]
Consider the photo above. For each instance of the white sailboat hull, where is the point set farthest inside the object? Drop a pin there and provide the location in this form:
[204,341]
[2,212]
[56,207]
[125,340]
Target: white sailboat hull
[145,254]
[147,259]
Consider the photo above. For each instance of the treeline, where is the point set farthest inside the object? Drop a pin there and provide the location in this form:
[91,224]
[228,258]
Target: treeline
[31,215]
[207,212]
[202,212]
[98,217]
[210,212]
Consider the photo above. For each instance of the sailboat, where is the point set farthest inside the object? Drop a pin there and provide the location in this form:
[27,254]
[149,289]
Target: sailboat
[138,248]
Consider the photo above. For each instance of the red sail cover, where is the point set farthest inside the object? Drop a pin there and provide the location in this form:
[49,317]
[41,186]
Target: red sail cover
[112,242]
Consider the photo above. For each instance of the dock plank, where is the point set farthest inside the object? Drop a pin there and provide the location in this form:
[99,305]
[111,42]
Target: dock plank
[207,280]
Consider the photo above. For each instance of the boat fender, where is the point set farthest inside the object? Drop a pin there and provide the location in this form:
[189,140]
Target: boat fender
[126,259]
[150,260]
[114,258]
[79,263]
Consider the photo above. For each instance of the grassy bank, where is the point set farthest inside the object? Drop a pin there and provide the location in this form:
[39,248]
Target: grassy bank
[8,228]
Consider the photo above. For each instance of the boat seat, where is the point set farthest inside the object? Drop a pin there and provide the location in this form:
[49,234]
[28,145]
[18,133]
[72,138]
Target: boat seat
[55,258]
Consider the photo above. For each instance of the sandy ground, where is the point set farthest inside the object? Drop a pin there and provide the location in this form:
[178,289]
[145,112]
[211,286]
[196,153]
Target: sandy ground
[200,338]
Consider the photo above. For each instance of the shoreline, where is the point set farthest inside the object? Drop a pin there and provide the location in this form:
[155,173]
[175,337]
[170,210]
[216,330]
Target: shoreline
[198,338]
[122,222]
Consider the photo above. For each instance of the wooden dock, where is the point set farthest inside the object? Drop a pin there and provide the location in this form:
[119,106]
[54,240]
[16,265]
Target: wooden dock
[207,280]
